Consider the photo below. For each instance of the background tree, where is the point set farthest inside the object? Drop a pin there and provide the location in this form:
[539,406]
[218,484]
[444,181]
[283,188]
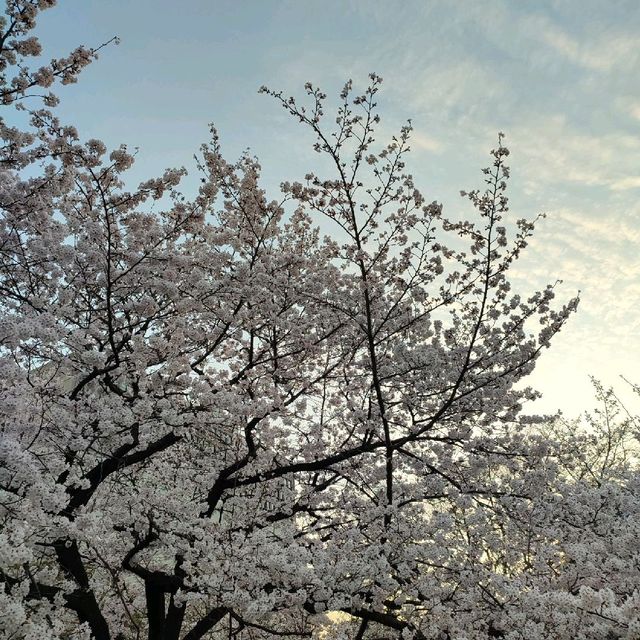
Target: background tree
[216,420]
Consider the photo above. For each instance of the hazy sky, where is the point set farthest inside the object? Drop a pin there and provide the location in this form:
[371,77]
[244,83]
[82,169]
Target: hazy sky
[560,78]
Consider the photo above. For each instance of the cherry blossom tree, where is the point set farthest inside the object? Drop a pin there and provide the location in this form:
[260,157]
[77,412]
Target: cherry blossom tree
[594,529]
[230,415]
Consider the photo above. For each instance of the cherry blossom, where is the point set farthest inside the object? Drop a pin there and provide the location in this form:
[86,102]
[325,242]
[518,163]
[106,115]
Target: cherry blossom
[230,415]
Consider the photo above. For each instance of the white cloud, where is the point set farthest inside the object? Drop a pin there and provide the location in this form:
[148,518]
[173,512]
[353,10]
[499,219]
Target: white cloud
[600,53]
[629,182]
[634,111]
[426,143]
[461,89]
[556,153]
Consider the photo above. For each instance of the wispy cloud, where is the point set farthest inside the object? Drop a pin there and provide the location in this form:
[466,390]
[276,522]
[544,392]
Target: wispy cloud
[424,142]
[556,152]
[601,53]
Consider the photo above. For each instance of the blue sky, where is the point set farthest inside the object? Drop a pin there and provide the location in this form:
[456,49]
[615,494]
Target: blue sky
[560,78]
